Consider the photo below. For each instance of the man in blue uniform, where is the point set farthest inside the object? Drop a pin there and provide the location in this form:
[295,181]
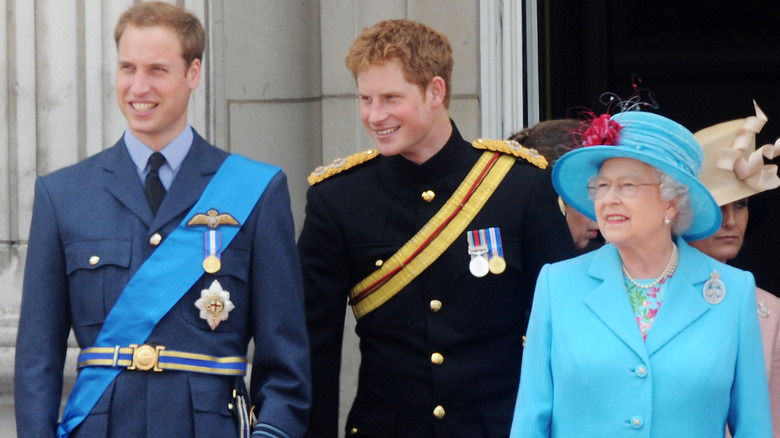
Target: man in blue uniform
[166,256]
[437,244]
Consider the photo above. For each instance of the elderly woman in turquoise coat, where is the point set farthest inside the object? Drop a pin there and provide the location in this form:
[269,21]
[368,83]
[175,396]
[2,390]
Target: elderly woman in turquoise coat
[646,336]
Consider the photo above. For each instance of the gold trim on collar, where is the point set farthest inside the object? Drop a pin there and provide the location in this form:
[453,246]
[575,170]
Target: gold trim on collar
[341,164]
[513,148]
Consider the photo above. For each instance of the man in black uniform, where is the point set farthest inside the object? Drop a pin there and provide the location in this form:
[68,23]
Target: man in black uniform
[436,242]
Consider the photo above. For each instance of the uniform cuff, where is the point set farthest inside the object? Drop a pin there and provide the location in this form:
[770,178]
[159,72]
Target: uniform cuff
[263,430]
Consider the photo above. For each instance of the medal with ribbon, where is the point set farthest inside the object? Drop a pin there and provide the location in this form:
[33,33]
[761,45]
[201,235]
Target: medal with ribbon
[212,238]
[478,250]
[495,251]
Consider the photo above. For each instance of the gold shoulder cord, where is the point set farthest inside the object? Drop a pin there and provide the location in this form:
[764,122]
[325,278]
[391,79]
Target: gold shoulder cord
[434,237]
[513,148]
[341,164]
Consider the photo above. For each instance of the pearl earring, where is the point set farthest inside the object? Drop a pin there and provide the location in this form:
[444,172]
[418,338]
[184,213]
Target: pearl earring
[667,221]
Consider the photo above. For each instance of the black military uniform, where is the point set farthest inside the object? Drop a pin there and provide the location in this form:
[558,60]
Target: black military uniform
[442,357]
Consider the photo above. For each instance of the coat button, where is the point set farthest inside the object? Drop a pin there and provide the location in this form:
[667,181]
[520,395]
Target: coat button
[437,359]
[379,263]
[438,412]
[636,422]
[155,239]
[435,306]
[640,371]
[94,260]
[428,196]
[353,431]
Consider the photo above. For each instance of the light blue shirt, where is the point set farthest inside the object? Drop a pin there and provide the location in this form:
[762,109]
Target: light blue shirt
[174,153]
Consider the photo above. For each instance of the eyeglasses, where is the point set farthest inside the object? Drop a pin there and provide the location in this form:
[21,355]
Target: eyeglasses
[599,188]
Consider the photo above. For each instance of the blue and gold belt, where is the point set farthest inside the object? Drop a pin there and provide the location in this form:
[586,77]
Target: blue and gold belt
[157,358]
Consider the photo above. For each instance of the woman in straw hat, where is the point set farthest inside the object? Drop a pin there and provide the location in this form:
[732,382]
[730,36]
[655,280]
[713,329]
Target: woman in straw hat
[729,150]
[645,336]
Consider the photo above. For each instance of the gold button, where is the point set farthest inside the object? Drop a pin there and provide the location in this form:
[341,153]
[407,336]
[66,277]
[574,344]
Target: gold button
[353,431]
[155,239]
[437,359]
[438,412]
[379,263]
[230,406]
[435,305]
[94,260]
[428,196]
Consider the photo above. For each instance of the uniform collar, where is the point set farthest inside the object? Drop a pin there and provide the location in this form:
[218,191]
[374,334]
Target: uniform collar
[437,166]
[174,153]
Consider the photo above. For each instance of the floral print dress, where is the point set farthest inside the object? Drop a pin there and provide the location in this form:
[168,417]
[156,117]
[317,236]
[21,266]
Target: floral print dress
[646,302]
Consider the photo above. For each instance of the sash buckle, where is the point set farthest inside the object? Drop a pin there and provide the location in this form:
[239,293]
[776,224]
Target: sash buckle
[146,357]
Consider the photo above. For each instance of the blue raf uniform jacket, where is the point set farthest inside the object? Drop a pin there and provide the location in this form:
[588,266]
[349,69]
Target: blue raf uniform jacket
[98,208]
[587,372]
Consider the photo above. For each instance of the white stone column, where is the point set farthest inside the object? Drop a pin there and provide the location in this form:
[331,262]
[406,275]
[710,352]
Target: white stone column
[268,87]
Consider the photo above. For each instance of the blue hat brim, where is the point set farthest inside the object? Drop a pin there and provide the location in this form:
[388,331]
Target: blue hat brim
[572,171]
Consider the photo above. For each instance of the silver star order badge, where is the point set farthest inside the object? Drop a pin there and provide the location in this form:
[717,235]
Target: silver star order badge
[714,289]
[214,304]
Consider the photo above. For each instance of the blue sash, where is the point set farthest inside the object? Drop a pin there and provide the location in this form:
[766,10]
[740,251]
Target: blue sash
[172,268]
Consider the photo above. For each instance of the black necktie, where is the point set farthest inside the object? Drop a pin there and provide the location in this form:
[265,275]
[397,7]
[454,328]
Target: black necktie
[155,191]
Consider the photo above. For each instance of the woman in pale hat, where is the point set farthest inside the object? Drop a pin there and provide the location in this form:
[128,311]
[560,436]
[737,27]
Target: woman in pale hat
[645,336]
[729,148]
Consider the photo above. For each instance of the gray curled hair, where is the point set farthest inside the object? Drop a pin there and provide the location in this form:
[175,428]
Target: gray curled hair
[671,189]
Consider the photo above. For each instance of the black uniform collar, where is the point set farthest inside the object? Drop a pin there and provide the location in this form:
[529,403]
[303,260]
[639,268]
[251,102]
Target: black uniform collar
[437,166]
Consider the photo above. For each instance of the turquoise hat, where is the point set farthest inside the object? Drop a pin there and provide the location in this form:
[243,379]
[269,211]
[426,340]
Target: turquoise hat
[651,139]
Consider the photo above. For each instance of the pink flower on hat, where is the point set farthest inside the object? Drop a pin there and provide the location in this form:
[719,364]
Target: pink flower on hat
[602,131]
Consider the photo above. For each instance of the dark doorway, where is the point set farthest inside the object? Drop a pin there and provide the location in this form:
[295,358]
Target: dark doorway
[703,60]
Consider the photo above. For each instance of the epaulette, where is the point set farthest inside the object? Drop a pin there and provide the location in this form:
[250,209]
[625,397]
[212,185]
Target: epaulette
[514,148]
[341,164]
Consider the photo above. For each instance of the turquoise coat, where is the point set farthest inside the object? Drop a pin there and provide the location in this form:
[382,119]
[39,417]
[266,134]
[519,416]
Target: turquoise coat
[587,372]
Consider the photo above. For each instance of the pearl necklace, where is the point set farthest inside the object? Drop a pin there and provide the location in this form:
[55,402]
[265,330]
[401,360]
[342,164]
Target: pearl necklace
[671,265]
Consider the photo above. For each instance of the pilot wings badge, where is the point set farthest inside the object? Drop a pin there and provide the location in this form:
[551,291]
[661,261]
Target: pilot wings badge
[212,239]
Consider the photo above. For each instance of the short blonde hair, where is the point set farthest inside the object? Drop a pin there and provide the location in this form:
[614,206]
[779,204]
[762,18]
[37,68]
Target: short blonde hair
[422,51]
[187,26]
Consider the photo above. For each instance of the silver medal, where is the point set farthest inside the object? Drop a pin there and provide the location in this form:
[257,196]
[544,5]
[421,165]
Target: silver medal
[479,266]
